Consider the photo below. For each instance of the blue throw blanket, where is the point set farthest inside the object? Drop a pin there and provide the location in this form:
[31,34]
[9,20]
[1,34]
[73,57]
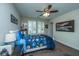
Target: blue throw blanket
[34,41]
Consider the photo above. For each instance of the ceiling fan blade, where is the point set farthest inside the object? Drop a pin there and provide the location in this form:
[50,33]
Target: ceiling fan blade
[53,11]
[41,14]
[39,11]
[49,6]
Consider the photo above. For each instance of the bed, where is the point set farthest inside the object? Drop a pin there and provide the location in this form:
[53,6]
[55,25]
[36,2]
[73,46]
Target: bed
[38,42]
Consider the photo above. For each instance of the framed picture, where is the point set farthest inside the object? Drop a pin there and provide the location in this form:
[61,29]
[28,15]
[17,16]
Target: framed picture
[46,26]
[13,19]
[67,26]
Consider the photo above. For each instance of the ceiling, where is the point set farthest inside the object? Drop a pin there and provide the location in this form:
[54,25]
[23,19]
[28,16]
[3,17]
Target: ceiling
[29,9]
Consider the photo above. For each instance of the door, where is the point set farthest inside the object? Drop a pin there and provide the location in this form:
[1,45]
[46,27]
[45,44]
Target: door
[50,29]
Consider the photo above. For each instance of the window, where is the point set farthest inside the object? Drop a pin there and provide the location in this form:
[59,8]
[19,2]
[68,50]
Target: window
[31,27]
[40,27]
[35,27]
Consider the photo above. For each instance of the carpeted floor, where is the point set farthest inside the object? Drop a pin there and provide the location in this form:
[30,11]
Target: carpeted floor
[60,50]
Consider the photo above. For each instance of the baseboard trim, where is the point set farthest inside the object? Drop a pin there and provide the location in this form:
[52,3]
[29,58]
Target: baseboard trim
[66,45]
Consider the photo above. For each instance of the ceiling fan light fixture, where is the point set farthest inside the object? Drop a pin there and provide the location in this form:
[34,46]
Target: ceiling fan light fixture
[46,14]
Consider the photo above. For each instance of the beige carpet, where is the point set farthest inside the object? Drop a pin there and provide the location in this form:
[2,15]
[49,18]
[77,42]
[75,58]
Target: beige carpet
[60,50]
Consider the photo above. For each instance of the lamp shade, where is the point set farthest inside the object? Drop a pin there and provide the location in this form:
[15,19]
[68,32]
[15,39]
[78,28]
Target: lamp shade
[10,37]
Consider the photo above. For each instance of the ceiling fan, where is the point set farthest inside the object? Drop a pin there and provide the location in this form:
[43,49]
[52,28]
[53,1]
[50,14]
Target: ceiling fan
[47,11]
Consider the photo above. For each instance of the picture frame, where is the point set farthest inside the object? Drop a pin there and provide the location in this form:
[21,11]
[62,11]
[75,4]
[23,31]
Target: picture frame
[46,26]
[14,19]
[66,26]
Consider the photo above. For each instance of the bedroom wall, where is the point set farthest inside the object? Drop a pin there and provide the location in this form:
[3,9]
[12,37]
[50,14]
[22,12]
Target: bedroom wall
[68,38]
[5,24]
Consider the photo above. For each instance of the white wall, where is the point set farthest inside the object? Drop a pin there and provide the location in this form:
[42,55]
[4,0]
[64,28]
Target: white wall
[5,23]
[68,38]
